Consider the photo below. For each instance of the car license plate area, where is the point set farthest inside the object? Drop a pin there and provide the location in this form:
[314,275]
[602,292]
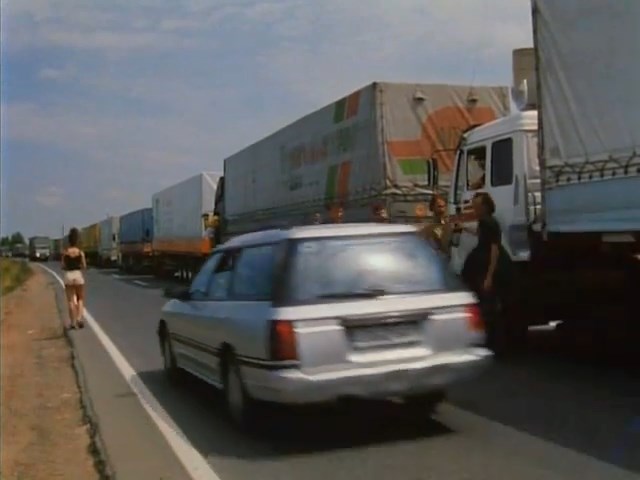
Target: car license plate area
[367,337]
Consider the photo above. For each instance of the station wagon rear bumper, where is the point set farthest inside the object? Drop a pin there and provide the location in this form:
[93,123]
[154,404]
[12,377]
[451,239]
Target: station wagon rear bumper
[295,386]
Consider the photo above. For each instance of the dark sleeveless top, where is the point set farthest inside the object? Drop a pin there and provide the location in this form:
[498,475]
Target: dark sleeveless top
[72,263]
[477,262]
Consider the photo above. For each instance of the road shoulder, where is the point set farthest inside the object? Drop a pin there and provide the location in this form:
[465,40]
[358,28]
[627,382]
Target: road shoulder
[130,443]
[45,432]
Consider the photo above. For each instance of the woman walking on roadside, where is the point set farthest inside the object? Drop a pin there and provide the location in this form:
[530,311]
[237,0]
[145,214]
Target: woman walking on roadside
[73,263]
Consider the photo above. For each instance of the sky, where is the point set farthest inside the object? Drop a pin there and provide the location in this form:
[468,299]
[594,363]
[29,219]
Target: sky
[104,103]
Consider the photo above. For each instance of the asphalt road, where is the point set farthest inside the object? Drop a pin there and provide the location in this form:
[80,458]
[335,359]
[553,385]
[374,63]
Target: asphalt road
[545,415]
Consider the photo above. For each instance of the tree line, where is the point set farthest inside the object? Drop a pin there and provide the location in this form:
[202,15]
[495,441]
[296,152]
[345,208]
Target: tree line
[11,240]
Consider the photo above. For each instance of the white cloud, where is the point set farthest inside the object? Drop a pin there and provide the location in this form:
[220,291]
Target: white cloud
[51,196]
[120,25]
[135,143]
[311,52]
[329,48]
[56,74]
[102,136]
[112,40]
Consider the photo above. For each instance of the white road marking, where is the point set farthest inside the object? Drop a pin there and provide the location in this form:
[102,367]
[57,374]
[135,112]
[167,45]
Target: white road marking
[141,283]
[195,464]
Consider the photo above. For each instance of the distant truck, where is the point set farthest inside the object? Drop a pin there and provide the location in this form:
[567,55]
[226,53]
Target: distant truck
[109,245]
[56,248]
[39,249]
[90,243]
[180,215]
[564,172]
[19,250]
[135,242]
[386,145]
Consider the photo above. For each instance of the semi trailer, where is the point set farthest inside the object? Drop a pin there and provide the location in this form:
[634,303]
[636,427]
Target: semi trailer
[387,144]
[181,213]
[135,242]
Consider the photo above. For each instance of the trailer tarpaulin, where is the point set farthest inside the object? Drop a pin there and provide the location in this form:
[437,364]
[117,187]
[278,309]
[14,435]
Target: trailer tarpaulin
[588,55]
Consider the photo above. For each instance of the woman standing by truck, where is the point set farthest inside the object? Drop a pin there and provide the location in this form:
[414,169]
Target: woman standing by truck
[73,264]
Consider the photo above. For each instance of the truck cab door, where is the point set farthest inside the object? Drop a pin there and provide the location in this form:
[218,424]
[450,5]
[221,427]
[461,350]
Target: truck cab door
[469,178]
[504,185]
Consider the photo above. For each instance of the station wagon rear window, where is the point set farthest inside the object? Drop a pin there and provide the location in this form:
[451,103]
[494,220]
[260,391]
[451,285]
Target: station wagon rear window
[330,269]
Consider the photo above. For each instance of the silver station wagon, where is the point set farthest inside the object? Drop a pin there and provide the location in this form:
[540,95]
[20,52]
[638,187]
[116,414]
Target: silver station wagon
[319,313]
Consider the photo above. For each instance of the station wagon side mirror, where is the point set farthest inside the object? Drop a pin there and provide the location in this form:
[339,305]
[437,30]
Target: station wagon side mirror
[177,293]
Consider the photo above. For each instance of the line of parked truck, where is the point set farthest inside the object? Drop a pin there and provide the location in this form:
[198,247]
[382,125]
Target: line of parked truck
[563,170]
[165,239]
[387,144]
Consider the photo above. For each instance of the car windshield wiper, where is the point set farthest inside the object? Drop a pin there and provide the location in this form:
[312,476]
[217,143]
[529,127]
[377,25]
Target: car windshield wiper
[367,293]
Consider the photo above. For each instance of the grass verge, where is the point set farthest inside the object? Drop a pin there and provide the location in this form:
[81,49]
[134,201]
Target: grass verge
[13,273]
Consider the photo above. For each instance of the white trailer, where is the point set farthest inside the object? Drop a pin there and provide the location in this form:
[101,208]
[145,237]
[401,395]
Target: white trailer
[179,214]
[388,144]
[565,171]
[109,241]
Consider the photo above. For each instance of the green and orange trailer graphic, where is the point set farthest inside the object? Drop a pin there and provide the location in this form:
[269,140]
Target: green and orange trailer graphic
[438,140]
[346,108]
[380,142]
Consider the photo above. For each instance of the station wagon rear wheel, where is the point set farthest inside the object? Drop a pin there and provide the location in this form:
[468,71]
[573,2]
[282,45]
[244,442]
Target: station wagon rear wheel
[238,402]
[169,363]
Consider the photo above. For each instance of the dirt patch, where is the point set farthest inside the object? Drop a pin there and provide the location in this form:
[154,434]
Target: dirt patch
[44,435]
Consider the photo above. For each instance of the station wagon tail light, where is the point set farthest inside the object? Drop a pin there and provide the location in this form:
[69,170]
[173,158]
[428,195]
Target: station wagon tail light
[283,341]
[474,318]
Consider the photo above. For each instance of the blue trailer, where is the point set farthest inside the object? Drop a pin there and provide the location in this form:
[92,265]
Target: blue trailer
[136,237]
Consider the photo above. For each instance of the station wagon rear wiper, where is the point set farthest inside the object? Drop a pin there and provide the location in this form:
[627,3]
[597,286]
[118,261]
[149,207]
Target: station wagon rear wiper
[368,293]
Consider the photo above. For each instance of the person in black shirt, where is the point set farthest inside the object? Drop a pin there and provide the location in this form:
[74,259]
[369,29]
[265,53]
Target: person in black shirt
[486,269]
[480,270]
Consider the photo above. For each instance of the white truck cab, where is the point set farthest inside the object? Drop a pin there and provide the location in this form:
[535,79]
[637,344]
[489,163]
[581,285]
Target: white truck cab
[500,158]
[574,237]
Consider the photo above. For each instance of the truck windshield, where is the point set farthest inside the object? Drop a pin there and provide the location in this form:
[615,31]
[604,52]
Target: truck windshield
[327,269]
